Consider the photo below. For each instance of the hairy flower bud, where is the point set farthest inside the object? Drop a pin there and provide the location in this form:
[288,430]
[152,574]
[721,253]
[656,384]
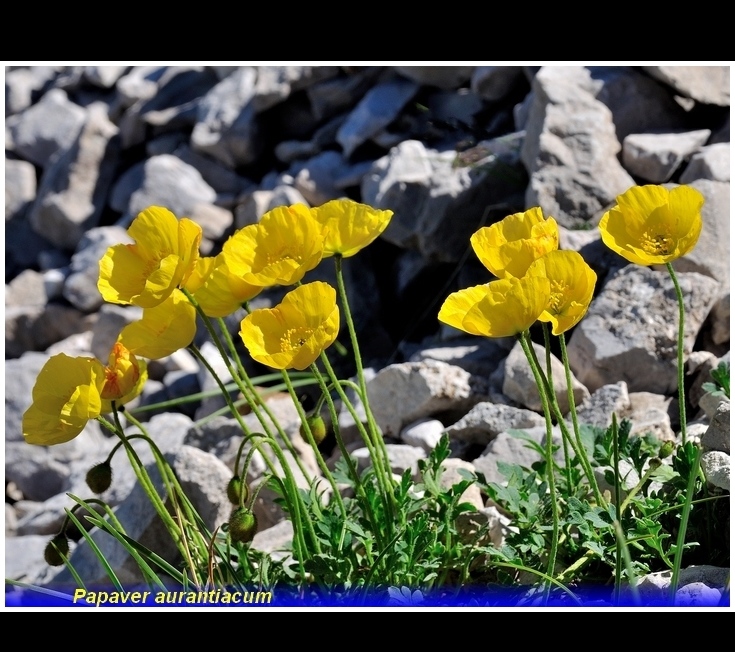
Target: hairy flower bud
[235,489]
[243,525]
[56,550]
[318,429]
[99,477]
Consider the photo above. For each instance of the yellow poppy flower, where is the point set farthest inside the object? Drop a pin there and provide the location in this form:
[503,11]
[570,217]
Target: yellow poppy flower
[125,376]
[162,330]
[217,289]
[279,250]
[296,331]
[66,395]
[572,283]
[349,226]
[499,309]
[651,225]
[458,304]
[508,247]
[162,258]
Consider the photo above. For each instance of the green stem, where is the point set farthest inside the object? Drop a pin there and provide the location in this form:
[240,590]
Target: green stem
[296,506]
[576,445]
[681,537]
[306,428]
[379,473]
[527,345]
[254,398]
[377,436]
[549,375]
[680,355]
[359,489]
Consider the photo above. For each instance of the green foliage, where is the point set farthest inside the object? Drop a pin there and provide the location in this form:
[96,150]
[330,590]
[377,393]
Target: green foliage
[721,376]
[587,546]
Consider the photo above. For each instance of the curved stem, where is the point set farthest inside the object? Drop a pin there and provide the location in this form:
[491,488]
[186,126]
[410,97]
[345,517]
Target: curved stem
[306,428]
[378,440]
[680,355]
[527,345]
[576,445]
[359,489]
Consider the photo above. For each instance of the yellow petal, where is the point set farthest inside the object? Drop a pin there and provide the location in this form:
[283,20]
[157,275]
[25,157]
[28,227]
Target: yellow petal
[217,289]
[458,304]
[510,307]
[349,226]
[508,247]
[279,250]
[651,225]
[66,395]
[295,332]
[572,283]
[162,330]
[163,256]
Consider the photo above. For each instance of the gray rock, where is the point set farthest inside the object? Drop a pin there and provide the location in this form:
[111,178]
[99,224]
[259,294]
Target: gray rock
[649,413]
[380,106]
[707,84]
[24,560]
[46,128]
[655,157]
[638,103]
[22,82]
[80,288]
[630,331]
[512,450]
[167,181]
[493,83]
[441,76]
[74,187]
[480,357]
[436,204]
[717,436]
[275,83]
[400,457]
[259,202]
[402,393]
[315,180]
[222,179]
[20,187]
[716,468]
[710,162]
[424,433]
[711,255]
[276,539]
[485,421]
[570,150]
[104,76]
[329,97]
[226,128]
[598,408]
[520,385]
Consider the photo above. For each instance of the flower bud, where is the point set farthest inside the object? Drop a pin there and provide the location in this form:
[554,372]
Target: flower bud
[318,429]
[235,488]
[666,449]
[243,525]
[99,477]
[56,550]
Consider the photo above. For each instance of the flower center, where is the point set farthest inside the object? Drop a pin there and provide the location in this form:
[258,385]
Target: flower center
[657,243]
[294,338]
[559,290]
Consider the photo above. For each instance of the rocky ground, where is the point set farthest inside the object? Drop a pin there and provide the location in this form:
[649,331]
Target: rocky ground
[448,149]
